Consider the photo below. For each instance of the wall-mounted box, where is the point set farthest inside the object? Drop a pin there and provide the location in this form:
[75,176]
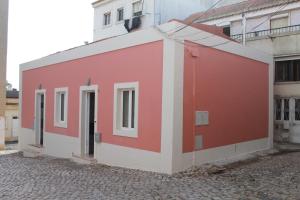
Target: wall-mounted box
[202,118]
[97,137]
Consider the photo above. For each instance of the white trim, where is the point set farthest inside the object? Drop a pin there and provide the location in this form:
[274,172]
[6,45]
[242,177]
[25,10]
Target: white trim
[117,128]
[82,90]
[115,155]
[57,121]
[223,153]
[37,135]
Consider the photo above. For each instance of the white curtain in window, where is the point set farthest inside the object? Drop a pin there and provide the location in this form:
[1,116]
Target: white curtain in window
[279,23]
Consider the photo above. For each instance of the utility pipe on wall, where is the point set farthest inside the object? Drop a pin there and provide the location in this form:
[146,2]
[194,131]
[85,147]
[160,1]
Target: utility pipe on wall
[244,21]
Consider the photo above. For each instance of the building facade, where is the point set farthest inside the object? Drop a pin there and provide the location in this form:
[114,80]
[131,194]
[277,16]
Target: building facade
[110,16]
[12,115]
[145,101]
[273,27]
[3,57]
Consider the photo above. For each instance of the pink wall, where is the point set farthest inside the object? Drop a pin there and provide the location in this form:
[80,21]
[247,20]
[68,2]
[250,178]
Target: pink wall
[233,89]
[140,63]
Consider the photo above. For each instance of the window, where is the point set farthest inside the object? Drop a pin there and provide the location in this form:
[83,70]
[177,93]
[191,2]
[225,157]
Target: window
[286,109]
[137,8]
[106,19]
[226,30]
[297,109]
[120,14]
[60,107]
[282,109]
[278,110]
[126,109]
[279,22]
[287,71]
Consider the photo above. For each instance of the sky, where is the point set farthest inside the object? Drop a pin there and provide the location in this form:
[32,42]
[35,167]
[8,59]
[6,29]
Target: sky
[38,28]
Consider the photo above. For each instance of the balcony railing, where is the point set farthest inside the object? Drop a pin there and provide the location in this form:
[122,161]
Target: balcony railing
[268,32]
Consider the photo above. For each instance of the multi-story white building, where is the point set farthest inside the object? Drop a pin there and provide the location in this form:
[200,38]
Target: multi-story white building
[3,54]
[111,15]
[274,27]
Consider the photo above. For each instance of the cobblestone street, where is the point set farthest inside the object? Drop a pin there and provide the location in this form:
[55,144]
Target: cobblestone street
[271,177]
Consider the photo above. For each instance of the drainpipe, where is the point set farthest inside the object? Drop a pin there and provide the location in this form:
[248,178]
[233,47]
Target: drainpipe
[244,28]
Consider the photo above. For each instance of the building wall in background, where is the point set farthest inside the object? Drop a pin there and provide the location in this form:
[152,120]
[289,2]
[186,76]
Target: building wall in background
[3,57]
[155,12]
[3,52]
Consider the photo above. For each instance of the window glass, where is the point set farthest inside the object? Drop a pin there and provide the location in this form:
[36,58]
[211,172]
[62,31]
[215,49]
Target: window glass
[120,16]
[278,105]
[107,18]
[287,71]
[132,108]
[286,109]
[62,107]
[297,109]
[137,8]
[125,121]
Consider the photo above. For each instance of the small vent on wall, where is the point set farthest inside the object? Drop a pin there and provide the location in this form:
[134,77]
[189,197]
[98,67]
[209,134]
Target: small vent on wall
[198,142]
[202,118]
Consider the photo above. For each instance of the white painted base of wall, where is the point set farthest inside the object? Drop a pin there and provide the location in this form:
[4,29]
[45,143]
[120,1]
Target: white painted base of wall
[223,153]
[64,146]
[114,155]
[294,138]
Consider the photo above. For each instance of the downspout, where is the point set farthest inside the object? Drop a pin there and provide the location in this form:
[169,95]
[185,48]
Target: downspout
[244,21]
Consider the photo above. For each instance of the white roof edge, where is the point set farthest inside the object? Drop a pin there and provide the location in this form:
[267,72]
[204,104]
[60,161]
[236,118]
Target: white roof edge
[111,44]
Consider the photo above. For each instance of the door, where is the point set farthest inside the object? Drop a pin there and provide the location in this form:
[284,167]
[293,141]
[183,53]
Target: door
[88,121]
[91,123]
[39,118]
[15,125]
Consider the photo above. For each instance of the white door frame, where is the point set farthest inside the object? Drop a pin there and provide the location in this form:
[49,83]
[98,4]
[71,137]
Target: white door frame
[37,124]
[83,127]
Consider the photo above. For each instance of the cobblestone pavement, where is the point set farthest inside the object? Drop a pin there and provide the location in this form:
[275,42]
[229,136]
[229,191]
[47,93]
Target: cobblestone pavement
[271,177]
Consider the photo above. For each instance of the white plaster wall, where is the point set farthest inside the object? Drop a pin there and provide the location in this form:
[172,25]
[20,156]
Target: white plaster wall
[181,9]
[287,89]
[155,12]
[117,28]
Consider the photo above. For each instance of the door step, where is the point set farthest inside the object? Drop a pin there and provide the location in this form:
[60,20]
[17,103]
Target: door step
[33,151]
[83,159]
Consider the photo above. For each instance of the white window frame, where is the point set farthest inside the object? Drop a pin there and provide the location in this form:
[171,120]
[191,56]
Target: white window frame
[291,115]
[118,113]
[110,19]
[141,10]
[293,103]
[117,17]
[57,109]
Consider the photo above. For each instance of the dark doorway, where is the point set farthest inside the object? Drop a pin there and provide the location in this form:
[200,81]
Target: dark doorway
[91,109]
[42,105]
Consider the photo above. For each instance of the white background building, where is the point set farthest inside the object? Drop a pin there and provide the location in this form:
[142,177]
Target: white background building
[3,54]
[110,14]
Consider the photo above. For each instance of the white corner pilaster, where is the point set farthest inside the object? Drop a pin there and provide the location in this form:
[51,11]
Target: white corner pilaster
[172,105]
